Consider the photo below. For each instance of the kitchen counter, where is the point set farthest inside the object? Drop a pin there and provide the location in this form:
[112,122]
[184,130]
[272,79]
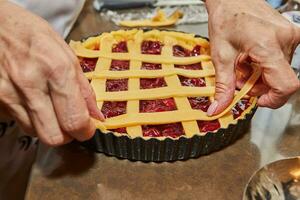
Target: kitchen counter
[72,172]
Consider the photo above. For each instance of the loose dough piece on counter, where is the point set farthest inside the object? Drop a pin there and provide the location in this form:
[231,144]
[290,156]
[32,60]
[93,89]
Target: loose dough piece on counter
[160,19]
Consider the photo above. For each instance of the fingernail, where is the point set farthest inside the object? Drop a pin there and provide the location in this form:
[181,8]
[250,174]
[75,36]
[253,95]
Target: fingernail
[97,114]
[102,118]
[212,108]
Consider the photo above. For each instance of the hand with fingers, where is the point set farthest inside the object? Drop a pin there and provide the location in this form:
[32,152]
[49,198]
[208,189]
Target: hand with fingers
[243,31]
[41,83]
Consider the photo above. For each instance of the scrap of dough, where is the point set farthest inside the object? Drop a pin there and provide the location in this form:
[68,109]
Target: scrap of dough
[159,19]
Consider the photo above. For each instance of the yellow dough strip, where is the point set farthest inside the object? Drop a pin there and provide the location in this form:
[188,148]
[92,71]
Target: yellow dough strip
[156,118]
[149,94]
[153,118]
[158,59]
[155,93]
[182,103]
[147,23]
[159,19]
[149,73]
[183,38]
[134,85]
[102,64]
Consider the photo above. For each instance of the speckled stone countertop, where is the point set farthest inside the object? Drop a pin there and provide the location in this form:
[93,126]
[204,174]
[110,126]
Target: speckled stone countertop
[72,172]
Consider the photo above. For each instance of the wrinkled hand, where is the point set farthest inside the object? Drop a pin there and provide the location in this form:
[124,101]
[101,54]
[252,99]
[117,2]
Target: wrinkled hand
[41,83]
[250,30]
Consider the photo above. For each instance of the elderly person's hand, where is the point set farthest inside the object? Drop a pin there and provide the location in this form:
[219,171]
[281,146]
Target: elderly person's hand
[250,30]
[41,83]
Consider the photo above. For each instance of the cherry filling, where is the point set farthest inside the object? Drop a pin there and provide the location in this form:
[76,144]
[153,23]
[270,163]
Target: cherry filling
[159,105]
[196,66]
[88,64]
[113,85]
[192,82]
[240,107]
[148,83]
[179,51]
[206,126]
[150,66]
[151,47]
[199,103]
[121,47]
[119,65]
[196,51]
[172,130]
[113,108]
[119,130]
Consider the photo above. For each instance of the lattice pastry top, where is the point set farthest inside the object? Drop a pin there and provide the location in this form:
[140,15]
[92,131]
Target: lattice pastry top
[156,83]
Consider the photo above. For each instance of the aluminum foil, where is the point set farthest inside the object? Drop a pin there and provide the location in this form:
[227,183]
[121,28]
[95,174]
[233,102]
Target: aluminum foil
[192,14]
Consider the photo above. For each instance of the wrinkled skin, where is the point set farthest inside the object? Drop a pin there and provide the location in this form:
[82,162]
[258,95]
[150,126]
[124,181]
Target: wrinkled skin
[41,83]
[250,30]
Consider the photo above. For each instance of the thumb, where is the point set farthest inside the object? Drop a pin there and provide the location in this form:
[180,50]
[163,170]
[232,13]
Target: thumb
[223,59]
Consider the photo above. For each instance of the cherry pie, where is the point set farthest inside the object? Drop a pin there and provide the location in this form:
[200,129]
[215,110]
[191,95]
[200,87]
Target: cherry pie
[157,84]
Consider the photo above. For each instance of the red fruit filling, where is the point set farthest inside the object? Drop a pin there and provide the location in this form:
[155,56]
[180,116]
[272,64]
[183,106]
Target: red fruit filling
[196,50]
[172,130]
[206,126]
[240,107]
[121,47]
[88,64]
[159,105]
[199,103]
[113,108]
[196,66]
[150,66]
[119,65]
[119,130]
[193,82]
[113,85]
[151,47]
[182,52]
[148,83]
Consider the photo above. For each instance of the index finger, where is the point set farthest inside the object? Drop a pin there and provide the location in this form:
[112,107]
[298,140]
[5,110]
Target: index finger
[69,104]
[223,55]
[86,89]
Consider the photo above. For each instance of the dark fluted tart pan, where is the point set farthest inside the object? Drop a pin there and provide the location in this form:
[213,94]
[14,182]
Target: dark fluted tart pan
[168,149]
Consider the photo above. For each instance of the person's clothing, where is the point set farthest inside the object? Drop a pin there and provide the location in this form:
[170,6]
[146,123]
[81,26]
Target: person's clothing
[17,154]
[60,14]
[17,151]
